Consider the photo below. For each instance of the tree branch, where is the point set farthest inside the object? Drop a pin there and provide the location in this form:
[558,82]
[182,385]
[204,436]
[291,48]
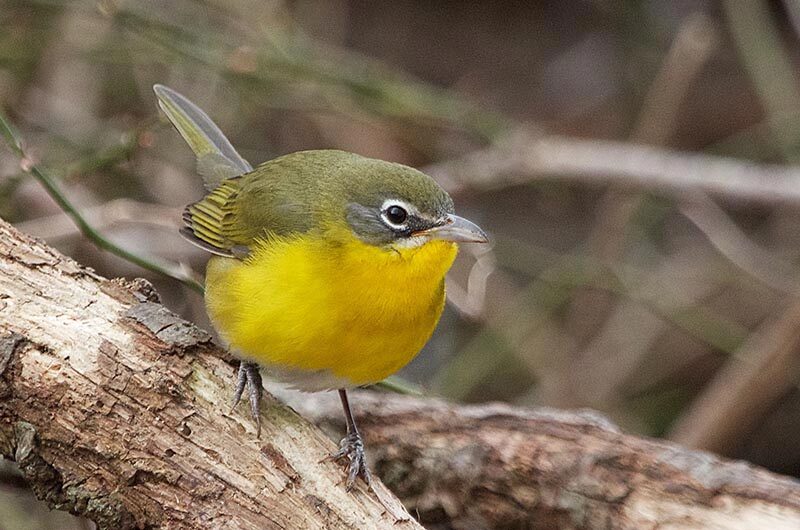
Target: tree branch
[496,466]
[529,156]
[57,194]
[116,409]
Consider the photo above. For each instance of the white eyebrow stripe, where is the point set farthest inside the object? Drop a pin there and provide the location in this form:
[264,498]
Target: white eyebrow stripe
[397,202]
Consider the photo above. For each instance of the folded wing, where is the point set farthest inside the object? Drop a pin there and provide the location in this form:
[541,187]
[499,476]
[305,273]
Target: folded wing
[210,223]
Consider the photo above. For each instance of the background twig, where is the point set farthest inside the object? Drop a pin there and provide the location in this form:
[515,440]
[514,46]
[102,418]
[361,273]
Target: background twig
[26,164]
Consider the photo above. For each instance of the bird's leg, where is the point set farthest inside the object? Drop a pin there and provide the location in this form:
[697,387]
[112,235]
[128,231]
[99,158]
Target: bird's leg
[250,377]
[352,448]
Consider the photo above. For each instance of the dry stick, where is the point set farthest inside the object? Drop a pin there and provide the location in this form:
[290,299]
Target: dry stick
[749,385]
[116,409]
[591,311]
[496,466]
[723,233]
[528,156]
[53,189]
[746,388]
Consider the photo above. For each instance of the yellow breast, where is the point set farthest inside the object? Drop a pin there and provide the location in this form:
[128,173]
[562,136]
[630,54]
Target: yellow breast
[329,305]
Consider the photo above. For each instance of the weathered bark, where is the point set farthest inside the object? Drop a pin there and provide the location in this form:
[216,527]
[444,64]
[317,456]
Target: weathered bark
[116,409]
[495,466]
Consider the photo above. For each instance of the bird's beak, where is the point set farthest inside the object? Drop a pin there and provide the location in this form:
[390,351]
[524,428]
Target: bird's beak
[458,229]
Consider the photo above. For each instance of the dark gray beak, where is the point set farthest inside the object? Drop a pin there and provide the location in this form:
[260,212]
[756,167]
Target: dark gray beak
[459,230]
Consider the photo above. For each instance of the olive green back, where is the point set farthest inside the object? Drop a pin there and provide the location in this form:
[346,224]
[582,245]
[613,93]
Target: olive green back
[300,192]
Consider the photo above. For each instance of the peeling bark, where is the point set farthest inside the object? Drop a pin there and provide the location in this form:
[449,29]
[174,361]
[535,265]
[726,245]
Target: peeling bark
[116,409]
[496,466]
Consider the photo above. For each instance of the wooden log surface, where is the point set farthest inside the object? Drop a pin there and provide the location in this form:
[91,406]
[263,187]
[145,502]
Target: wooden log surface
[497,466]
[118,410]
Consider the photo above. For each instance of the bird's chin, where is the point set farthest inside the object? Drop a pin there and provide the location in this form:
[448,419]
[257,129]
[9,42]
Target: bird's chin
[421,244]
[411,242]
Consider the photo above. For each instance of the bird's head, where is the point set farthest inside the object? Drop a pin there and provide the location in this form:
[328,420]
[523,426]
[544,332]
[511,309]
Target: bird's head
[395,206]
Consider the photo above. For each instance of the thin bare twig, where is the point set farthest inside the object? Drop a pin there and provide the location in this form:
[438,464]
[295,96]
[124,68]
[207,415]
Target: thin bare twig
[118,211]
[528,156]
[54,190]
[746,388]
[737,247]
[758,40]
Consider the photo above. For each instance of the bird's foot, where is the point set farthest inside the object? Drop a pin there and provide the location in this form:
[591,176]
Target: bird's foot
[250,377]
[352,448]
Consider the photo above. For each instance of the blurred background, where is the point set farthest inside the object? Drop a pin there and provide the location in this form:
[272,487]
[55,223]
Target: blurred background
[632,161]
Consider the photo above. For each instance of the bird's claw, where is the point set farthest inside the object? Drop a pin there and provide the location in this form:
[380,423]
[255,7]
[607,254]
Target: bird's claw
[249,376]
[352,448]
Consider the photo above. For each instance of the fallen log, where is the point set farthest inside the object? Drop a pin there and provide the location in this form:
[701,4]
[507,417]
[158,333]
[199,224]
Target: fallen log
[497,466]
[116,409]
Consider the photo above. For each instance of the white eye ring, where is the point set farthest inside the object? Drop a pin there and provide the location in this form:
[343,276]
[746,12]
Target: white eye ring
[391,210]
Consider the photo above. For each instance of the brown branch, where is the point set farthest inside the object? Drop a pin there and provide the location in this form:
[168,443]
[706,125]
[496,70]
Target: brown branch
[748,386]
[495,466]
[116,409]
[530,156]
[591,316]
[59,226]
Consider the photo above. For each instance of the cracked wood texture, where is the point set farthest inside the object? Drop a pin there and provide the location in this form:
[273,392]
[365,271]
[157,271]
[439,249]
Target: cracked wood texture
[118,410]
[496,466]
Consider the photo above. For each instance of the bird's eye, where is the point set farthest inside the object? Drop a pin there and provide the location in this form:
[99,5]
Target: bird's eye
[396,214]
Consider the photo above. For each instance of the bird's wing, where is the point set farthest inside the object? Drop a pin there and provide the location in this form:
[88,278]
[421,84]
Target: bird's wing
[217,160]
[212,223]
[266,202]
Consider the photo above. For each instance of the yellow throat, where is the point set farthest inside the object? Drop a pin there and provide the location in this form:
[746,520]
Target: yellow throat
[328,311]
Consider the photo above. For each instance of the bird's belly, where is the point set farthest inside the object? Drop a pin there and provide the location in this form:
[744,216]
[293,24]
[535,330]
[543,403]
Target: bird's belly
[328,317]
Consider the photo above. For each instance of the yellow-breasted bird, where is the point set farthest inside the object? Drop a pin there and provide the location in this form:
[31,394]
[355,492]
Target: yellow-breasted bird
[328,267]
